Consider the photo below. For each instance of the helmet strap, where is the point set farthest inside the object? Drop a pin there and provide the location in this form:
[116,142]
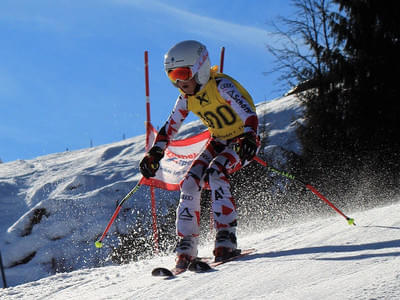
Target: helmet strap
[198,86]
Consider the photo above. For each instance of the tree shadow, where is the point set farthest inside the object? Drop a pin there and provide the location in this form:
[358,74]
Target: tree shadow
[334,249]
[384,227]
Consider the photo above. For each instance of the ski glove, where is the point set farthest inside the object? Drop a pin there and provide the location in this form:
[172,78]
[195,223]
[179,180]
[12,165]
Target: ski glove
[246,146]
[151,162]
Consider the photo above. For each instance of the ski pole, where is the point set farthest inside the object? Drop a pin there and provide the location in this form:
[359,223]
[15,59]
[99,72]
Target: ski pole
[99,242]
[350,221]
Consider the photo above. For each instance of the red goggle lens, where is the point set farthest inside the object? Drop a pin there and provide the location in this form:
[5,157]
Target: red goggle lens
[183,73]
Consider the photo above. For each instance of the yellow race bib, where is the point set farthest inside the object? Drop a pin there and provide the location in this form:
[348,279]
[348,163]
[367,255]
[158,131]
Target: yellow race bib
[216,113]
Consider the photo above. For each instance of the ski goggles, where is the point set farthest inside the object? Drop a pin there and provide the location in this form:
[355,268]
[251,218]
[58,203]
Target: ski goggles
[181,73]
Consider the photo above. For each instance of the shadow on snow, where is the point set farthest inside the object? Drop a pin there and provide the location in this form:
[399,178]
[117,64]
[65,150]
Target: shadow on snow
[334,249]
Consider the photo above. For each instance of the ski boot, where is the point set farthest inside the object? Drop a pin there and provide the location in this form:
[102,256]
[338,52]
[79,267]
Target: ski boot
[225,245]
[186,251]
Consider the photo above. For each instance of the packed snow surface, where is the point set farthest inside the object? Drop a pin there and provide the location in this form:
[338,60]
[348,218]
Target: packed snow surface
[317,259]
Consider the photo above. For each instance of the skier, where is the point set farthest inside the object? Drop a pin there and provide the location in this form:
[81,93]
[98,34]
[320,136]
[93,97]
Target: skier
[228,111]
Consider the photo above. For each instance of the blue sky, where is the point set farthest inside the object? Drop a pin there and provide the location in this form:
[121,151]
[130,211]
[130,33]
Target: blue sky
[72,71]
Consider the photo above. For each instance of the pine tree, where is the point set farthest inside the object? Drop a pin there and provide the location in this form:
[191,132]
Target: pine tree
[356,109]
[371,32]
[352,121]
[348,78]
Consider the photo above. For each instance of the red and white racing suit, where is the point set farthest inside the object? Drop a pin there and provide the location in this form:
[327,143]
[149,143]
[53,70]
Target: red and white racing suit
[228,111]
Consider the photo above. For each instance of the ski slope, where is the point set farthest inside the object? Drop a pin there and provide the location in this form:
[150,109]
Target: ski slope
[54,207]
[315,259]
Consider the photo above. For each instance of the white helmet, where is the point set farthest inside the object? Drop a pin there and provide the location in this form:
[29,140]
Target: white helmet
[190,54]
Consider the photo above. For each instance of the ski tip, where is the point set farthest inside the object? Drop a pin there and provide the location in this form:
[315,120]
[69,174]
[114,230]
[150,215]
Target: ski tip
[162,272]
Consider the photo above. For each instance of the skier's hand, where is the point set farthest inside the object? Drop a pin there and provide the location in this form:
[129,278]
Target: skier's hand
[151,162]
[247,146]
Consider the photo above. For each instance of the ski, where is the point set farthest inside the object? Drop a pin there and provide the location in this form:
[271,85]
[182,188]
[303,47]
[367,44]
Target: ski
[169,273]
[204,266]
[239,255]
[198,265]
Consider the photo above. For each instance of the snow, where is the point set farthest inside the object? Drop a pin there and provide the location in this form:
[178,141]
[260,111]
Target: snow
[318,259]
[54,207]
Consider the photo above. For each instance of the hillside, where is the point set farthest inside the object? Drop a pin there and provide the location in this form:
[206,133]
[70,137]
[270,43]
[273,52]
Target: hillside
[54,207]
[318,259]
